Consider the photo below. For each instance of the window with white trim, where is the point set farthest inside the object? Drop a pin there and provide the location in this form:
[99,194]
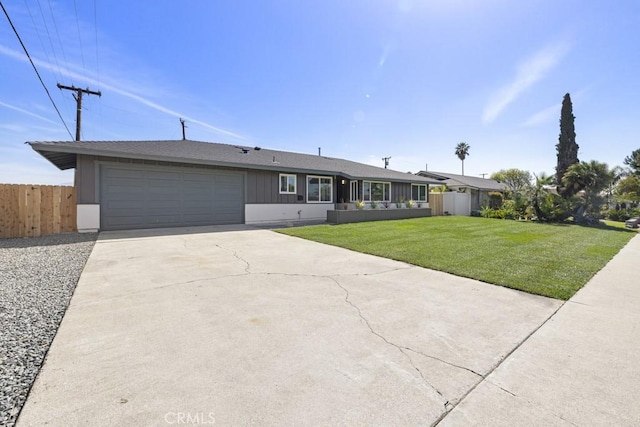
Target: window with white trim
[419,192]
[287,183]
[319,189]
[376,191]
[353,194]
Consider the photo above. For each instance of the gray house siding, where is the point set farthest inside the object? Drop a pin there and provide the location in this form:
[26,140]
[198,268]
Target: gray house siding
[86,180]
[87,171]
[400,190]
[261,186]
[264,187]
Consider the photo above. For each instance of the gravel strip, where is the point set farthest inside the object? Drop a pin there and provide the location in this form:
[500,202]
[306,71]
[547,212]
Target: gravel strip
[37,278]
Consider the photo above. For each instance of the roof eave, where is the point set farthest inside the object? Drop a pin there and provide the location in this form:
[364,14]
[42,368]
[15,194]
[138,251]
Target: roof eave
[64,162]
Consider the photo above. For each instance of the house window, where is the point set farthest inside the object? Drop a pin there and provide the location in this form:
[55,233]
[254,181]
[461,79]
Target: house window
[376,191]
[319,189]
[354,191]
[419,192]
[287,184]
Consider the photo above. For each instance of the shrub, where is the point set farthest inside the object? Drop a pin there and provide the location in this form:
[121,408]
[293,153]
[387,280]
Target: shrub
[622,214]
[360,205]
[508,210]
[495,199]
[486,212]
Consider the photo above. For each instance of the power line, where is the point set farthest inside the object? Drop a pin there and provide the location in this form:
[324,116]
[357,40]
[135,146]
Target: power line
[75,6]
[53,49]
[35,27]
[46,27]
[34,67]
[95,26]
[55,26]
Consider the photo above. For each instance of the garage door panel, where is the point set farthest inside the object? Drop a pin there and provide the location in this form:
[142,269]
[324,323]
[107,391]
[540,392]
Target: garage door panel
[122,173]
[143,196]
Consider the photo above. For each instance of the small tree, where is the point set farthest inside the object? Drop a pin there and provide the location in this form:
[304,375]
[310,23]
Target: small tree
[567,148]
[517,181]
[462,151]
[628,188]
[633,161]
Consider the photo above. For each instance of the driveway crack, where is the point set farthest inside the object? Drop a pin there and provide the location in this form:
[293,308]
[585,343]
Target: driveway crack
[391,270]
[444,361]
[383,338]
[238,257]
[496,365]
[529,402]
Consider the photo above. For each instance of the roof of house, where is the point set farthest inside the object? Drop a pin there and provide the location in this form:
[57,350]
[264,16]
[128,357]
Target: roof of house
[63,155]
[454,180]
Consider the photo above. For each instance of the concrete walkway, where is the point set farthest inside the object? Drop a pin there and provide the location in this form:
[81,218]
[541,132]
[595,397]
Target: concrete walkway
[231,326]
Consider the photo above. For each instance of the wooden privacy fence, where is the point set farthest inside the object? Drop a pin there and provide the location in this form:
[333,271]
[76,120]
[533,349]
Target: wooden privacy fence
[36,210]
[436,203]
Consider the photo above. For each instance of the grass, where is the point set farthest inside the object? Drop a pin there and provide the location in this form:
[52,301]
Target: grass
[553,260]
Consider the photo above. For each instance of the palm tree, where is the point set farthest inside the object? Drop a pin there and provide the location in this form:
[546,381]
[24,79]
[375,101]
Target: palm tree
[538,193]
[591,177]
[462,151]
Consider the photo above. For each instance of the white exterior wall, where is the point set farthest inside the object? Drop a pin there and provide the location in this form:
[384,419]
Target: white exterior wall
[265,213]
[457,203]
[88,218]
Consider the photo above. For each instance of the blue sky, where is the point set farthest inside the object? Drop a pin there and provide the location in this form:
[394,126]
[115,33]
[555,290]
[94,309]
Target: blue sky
[362,79]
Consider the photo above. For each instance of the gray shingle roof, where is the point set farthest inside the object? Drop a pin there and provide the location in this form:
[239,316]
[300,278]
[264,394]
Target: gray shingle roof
[452,180]
[63,155]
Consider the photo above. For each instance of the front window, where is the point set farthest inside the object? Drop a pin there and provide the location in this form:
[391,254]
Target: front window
[319,189]
[354,191]
[376,191]
[287,184]
[419,192]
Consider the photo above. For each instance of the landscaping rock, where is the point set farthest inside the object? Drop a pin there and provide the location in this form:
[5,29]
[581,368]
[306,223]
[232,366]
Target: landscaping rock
[37,278]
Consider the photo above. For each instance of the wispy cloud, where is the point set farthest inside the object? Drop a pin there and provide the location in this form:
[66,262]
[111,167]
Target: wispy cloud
[529,72]
[29,113]
[544,116]
[124,92]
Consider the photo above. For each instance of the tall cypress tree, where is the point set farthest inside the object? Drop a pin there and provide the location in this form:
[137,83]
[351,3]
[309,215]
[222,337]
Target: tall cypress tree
[567,148]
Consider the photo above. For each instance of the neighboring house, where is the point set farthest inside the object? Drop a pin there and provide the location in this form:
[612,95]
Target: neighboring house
[478,188]
[147,184]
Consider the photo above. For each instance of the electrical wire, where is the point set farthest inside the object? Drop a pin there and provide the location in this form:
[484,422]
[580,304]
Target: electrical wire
[46,27]
[34,68]
[55,27]
[35,27]
[95,26]
[75,6]
[53,50]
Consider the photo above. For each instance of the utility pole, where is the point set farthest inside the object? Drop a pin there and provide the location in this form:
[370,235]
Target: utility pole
[483,175]
[183,126]
[386,161]
[78,97]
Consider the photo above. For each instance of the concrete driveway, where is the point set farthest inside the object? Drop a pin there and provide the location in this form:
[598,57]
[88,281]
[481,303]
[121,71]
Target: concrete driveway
[244,326]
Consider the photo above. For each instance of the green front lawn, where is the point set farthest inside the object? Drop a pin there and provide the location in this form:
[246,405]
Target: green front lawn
[554,260]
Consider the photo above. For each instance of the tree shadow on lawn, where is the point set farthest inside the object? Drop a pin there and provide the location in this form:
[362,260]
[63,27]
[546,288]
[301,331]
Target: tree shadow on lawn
[599,226]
